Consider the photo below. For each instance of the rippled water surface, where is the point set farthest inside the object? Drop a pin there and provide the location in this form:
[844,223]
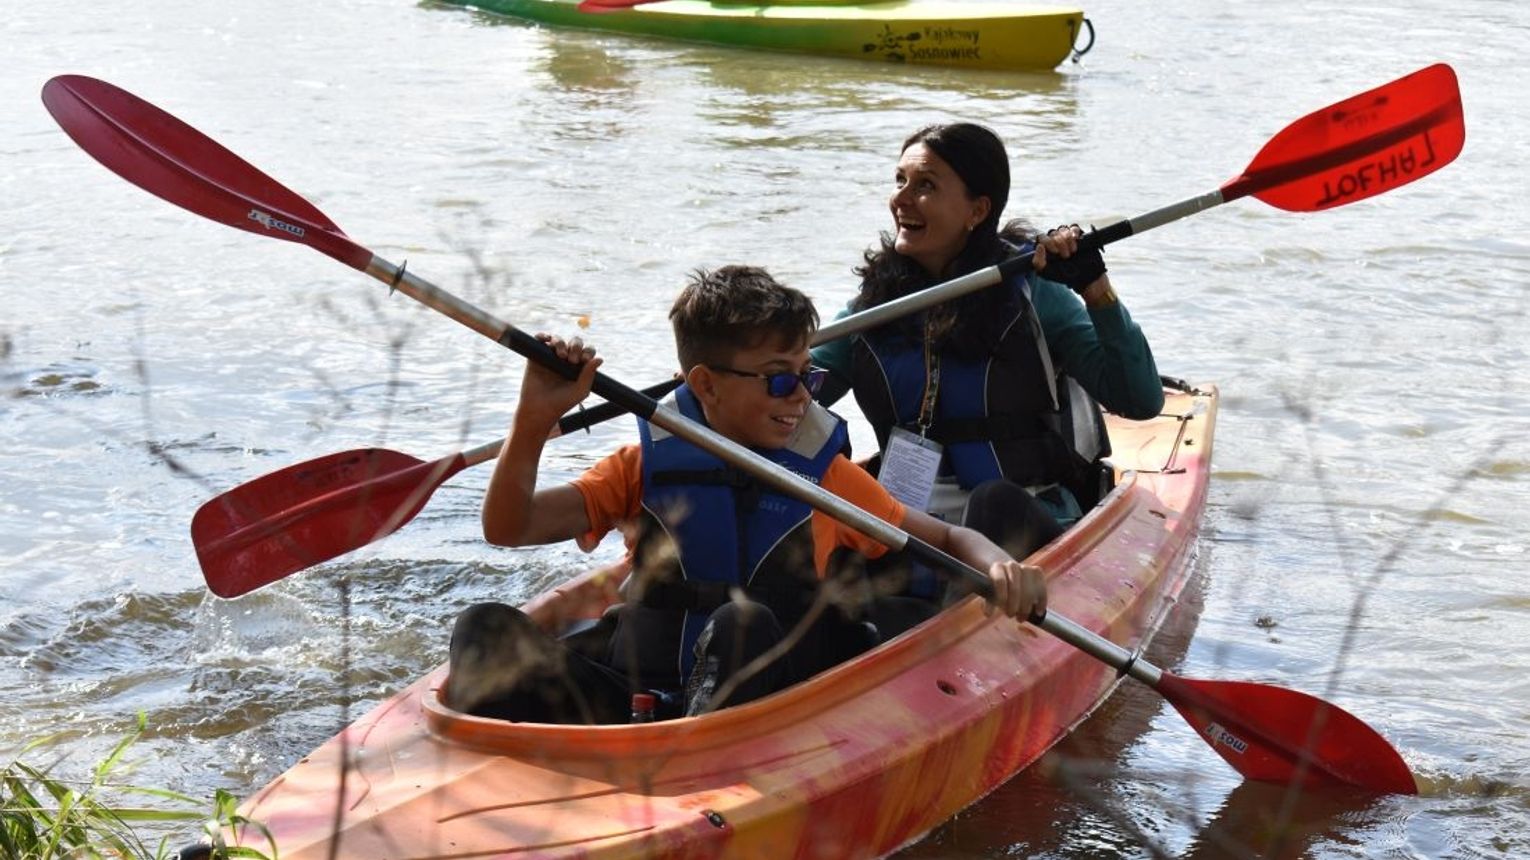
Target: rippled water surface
[1366,539]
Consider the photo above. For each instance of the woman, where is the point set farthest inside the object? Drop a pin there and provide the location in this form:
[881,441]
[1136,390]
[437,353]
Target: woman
[985,407]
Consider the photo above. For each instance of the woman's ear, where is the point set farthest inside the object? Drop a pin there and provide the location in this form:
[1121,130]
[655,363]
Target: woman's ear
[980,208]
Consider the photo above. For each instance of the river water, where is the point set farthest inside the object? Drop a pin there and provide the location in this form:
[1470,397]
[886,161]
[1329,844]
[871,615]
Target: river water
[1366,538]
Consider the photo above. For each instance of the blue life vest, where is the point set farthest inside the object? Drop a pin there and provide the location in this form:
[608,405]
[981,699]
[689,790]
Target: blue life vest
[708,526]
[1009,414]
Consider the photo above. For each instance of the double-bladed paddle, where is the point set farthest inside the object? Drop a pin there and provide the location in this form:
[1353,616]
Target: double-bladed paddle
[1265,732]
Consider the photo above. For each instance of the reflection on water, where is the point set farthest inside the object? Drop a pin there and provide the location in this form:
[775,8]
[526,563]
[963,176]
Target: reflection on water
[1267,821]
[581,69]
[594,90]
[758,93]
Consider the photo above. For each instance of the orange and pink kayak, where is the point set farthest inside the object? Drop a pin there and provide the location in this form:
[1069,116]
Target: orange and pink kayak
[856,762]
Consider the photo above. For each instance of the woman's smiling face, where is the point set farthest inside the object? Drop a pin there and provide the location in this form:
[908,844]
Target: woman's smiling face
[933,212]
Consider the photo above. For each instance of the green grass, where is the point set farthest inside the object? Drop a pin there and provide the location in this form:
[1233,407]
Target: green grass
[46,818]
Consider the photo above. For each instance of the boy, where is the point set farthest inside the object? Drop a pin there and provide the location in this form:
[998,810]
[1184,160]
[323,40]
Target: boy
[723,567]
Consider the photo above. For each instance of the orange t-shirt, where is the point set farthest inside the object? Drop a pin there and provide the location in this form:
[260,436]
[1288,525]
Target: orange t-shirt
[613,493]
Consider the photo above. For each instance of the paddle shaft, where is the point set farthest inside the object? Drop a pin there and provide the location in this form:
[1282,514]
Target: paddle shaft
[913,302]
[581,419]
[761,468]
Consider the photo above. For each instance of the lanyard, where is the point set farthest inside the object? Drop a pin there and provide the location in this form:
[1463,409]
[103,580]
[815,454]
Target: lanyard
[931,383]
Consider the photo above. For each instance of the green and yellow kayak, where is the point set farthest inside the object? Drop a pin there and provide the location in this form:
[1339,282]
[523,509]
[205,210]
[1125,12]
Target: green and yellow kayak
[977,35]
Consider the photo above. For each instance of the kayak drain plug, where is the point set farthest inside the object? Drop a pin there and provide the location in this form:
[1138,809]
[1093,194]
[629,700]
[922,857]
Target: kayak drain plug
[715,818]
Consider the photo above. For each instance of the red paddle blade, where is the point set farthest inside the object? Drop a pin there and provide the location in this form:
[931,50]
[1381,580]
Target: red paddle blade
[172,160]
[314,511]
[1361,147]
[1277,735]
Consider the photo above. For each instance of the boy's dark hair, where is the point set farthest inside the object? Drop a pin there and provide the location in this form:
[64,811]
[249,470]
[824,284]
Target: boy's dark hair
[731,308]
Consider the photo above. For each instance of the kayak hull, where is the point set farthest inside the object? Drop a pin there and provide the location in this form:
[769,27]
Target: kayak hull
[856,762]
[989,35]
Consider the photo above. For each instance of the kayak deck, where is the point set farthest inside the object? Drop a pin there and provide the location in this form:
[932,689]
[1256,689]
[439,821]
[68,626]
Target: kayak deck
[985,35]
[855,762]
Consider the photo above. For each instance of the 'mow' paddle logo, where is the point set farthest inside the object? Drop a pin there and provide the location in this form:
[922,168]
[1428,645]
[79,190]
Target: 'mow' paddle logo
[266,221]
[1219,735]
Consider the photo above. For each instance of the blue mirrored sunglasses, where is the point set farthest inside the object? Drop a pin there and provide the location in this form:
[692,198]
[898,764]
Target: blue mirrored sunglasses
[784,383]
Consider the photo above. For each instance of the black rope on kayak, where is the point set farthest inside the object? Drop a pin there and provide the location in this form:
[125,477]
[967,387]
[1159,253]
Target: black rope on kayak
[1174,383]
[1079,52]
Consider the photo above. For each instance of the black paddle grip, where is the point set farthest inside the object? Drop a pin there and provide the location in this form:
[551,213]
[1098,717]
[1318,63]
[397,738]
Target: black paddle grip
[1097,239]
[621,395]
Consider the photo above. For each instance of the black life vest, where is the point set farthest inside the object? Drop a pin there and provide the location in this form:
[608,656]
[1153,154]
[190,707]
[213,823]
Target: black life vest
[1008,414]
[707,527]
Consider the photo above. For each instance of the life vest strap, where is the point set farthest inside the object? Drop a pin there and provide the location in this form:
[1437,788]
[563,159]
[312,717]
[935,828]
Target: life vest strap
[709,477]
[746,487]
[706,596]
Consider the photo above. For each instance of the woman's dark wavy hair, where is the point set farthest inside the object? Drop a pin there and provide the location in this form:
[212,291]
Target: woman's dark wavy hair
[970,325]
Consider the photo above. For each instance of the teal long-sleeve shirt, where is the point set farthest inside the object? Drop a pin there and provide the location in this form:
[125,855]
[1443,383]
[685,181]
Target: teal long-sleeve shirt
[1100,347]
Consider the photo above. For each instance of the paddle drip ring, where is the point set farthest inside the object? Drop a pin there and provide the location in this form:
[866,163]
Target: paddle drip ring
[1079,52]
[1127,666]
[398,276]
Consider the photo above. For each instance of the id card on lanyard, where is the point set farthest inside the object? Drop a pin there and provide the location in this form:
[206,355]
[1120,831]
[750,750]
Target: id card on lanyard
[909,467]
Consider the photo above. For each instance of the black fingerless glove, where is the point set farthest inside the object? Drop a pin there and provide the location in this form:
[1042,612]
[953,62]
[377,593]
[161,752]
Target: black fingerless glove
[1078,271]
